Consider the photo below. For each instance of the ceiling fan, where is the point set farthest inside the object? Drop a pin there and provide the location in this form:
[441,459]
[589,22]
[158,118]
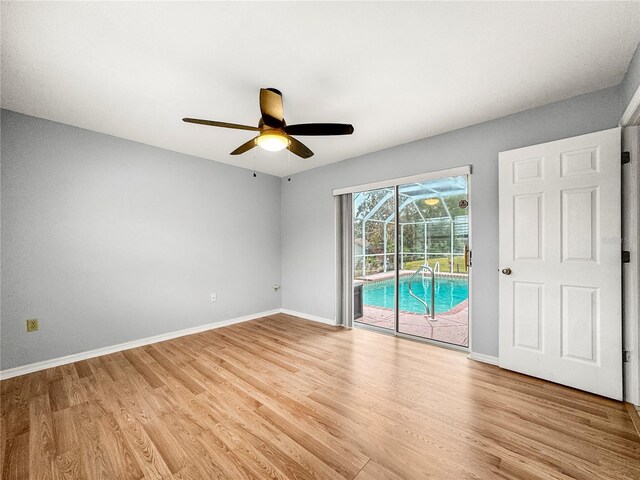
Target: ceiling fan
[275,134]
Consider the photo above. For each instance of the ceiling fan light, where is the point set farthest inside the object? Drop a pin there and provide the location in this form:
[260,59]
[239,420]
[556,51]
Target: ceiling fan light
[272,141]
[432,201]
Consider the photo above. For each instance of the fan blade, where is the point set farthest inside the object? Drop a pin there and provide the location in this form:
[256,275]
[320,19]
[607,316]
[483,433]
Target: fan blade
[271,107]
[245,147]
[211,123]
[299,148]
[319,129]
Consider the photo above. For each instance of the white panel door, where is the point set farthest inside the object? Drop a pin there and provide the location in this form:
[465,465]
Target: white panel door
[560,261]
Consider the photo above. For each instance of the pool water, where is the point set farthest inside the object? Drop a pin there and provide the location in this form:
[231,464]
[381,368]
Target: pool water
[449,293]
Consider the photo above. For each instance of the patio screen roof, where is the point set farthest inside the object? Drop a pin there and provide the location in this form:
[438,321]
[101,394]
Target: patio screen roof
[378,205]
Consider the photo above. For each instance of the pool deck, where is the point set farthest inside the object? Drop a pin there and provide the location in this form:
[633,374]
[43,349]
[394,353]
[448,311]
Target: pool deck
[450,327]
[379,277]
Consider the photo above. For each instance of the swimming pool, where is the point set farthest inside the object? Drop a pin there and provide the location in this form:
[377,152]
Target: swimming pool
[449,293]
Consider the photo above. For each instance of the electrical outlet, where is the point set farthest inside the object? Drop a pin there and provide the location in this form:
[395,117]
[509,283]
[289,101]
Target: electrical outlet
[214,297]
[33,325]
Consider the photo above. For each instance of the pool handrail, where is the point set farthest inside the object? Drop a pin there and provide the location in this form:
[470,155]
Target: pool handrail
[433,291]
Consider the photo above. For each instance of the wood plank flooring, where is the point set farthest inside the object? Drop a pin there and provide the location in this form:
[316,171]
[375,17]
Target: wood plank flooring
[284,398]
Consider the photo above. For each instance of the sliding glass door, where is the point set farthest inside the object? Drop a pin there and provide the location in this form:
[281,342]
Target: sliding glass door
[410,259]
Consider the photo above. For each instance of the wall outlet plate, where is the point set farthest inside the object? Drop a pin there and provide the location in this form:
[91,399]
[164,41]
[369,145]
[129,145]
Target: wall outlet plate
[33,325]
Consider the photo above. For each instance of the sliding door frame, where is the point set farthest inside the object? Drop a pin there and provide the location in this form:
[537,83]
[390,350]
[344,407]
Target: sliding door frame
[396,227]
[396,184]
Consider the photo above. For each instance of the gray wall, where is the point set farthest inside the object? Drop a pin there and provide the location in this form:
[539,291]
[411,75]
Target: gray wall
[107,241]
[631,80]
[308,242]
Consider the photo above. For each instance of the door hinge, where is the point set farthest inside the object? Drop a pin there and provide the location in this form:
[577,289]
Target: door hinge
[626,256]
[626,157]
[626,356]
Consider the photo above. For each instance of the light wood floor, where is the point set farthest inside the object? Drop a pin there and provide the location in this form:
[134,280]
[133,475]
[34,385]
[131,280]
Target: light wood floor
[284,398]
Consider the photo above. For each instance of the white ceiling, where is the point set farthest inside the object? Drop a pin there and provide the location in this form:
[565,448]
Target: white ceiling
[397,71]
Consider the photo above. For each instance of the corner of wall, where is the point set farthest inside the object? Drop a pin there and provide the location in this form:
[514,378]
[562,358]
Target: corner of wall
[631,81]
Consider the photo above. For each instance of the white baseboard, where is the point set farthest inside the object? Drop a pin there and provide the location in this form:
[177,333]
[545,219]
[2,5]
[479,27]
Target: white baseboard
[481,357]
[307,316]
[76,357]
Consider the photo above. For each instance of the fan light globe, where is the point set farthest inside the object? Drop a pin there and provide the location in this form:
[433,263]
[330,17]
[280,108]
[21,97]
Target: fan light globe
[272,141]
[432,201]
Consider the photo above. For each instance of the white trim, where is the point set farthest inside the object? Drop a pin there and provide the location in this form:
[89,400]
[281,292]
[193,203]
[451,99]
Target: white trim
[449,172]
[337,260]
[470,268]
[76,357]
[481,357]
[631,115]
[307,316]
[630,271]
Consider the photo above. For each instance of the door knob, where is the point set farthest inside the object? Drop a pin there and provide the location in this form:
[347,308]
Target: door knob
[506,271]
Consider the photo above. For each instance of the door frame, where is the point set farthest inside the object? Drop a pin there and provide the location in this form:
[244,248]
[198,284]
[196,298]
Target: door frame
[631,242]
[396,183]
